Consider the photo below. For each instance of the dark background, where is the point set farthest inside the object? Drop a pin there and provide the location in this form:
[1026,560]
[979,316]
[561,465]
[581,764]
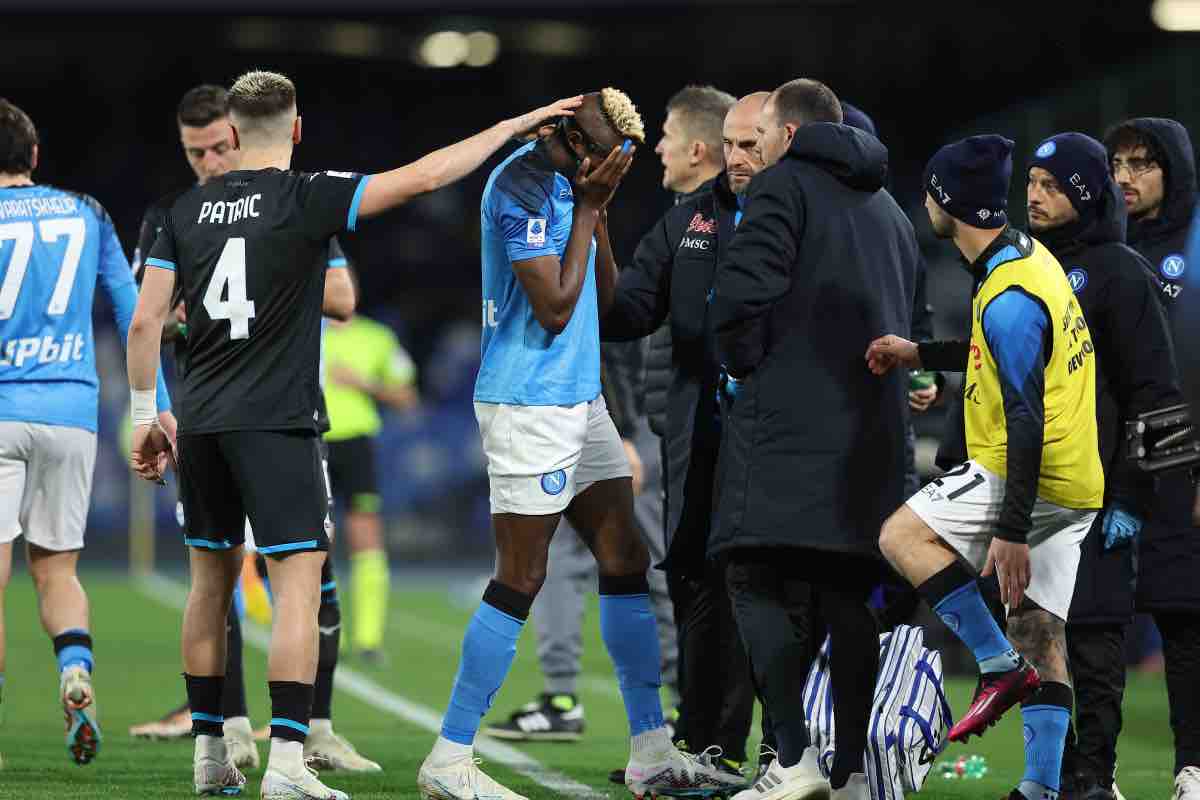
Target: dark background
[102,88]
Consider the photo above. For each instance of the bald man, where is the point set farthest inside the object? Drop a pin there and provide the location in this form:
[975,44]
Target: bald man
[668,283]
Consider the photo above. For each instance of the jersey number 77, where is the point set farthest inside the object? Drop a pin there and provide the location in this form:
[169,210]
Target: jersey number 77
[21,234]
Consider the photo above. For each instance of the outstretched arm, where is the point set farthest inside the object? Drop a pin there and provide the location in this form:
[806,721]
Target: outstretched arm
[443,167]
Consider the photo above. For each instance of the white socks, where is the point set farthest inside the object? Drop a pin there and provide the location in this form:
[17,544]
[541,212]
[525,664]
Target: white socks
[286,756]
[320,726]
[210,747]
[446,751]
[651,745]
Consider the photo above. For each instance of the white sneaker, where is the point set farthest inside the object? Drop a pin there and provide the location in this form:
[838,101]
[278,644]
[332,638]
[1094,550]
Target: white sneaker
[300,786]
[239,743]
[672,771]
[460,779]
[856,788]
[801,781]
[79,707]
[1187,784]
[215,777]
[324,749]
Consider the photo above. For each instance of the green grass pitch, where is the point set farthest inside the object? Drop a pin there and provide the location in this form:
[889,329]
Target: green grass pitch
[138,677]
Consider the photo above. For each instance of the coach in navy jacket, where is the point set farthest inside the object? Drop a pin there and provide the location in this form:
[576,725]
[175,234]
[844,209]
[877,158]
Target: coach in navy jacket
[812,449]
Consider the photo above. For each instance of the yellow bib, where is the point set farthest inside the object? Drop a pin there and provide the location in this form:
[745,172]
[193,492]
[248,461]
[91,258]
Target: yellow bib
[1071,474]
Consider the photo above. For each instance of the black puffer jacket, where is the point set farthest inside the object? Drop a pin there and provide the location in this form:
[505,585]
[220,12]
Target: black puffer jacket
[824,261]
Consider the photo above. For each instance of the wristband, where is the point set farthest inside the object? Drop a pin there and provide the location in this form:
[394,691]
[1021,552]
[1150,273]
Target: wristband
[143,406]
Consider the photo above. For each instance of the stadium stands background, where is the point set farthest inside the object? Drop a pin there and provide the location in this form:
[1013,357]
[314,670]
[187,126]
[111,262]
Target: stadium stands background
[102,90]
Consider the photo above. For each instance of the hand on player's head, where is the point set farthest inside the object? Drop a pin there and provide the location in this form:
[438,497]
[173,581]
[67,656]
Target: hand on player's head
[529,125]
[594,187]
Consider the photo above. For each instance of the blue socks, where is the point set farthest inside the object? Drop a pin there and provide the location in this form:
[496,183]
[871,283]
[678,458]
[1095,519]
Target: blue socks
[630,633]
[489,646]
[1046,717]
[954,594]
[74,648]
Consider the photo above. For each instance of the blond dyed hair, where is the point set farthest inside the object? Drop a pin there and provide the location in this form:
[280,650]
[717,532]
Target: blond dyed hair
[622,114]
[263,104]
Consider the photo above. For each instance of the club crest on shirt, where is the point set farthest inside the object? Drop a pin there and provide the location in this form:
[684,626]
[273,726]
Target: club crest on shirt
[701,225]
[554,482]
[535,231]
[1078,278]
[1173,266]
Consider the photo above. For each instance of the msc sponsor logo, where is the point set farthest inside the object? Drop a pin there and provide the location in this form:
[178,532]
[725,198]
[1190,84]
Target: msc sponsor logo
[41,350]
[695,243]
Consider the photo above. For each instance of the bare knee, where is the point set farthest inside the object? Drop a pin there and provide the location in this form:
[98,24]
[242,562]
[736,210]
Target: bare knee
[896,534]
[628,557]
[48,566]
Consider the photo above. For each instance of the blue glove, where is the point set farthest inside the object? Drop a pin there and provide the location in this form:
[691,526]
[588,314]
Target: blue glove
[1121,526]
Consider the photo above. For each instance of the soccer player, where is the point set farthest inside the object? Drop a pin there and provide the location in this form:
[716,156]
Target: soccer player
[1025,499]
[243,249]
[56,246]
[207,140]
[364,364]
[552,448]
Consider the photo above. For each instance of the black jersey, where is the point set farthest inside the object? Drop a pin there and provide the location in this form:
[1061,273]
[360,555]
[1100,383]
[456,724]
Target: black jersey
[250,251]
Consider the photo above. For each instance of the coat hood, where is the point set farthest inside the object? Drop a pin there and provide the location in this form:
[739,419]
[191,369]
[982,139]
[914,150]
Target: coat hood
[1179,193]
[1108,226]
[854,157]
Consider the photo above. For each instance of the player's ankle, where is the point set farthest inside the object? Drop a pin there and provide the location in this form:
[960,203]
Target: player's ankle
[447,752]
[650,745]
[320,726]
[210,747]
[286,756]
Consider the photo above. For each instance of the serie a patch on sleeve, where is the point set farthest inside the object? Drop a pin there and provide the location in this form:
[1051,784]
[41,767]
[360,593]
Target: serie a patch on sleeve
[535,231]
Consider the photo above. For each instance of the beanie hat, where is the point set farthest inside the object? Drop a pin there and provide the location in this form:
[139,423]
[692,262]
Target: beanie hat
[1080,165]
[855,117]
[969,180]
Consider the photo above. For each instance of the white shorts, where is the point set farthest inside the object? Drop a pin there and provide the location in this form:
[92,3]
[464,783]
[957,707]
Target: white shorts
[540,457]
[963,506]
[45,483]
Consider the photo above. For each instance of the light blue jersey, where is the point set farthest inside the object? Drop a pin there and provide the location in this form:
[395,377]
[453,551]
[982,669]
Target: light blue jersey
[526,212]
[55,246]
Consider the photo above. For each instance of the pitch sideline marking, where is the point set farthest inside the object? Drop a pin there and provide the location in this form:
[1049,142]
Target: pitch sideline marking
[173,594]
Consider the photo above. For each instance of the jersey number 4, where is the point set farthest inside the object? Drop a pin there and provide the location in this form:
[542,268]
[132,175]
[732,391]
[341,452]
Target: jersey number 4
[21,234]
[230,272]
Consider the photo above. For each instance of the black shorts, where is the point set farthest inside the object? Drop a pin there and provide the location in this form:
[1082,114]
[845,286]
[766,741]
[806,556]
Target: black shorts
[352,473]
[275,478]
